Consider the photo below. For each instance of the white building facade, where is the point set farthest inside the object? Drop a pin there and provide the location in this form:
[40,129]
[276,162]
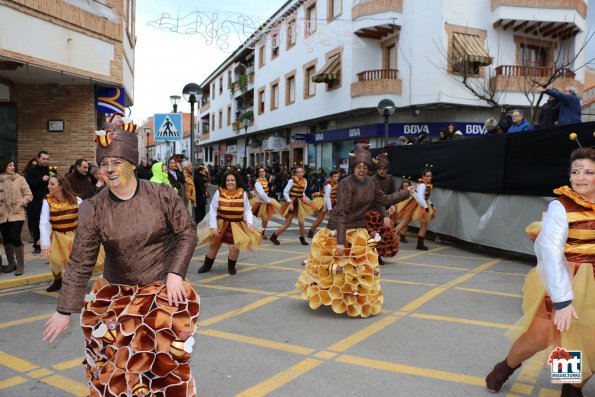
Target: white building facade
[306,86]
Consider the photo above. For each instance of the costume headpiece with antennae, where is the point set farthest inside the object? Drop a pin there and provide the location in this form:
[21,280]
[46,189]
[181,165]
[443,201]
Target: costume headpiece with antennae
[361,154]
[573,136]
[117,139]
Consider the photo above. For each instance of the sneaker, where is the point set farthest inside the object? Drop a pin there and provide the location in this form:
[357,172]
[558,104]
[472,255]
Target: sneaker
[36,251]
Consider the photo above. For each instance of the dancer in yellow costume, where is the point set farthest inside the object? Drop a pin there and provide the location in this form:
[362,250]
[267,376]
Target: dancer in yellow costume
[342,268]
[559,295]
[263,206]
[57,225]
[230,221]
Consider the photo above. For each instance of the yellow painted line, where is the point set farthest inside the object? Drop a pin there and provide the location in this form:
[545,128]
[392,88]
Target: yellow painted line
[411,370]
[75,362]
[418,253]
[226,275]
[482,291]
[286,347]
[362,334]
[236,289]
[16,363]
[507,273]
[388,280]
[296,297]
[239,263]
[461,320]
[12,382]
[25,320]
[297,270]
[68,385]
[325,355]
[282,378]
[472,273]
[544,392]
[463,269]
[521,388]
[236,312]
[476,258]
[55,294]
[280,250]
[39,373]
[531,368]
[293,258]
[26,280]
[422,300]
[512,395]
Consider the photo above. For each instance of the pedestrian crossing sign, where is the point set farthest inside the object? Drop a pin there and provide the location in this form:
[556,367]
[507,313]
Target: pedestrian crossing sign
[167,127]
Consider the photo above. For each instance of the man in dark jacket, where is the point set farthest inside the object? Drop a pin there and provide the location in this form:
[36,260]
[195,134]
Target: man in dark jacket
[79,179]
[201,183]
[143,171]
[549,113]
[37,178]
[570,104]
[505,119]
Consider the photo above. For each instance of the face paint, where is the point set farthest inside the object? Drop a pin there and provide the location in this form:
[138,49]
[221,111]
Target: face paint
[119,173]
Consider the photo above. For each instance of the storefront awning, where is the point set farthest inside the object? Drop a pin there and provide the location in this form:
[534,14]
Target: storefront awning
[468,48]
[330,72]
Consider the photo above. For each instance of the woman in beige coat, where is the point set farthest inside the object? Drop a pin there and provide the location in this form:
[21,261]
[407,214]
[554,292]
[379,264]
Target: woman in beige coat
[14,197]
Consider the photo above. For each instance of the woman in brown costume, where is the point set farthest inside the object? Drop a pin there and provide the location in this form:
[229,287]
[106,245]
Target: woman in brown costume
[139,319]
[342,268]
[230,221]
[559,293]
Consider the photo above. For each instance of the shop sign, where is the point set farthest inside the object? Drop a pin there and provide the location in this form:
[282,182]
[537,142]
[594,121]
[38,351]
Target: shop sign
[298,138]
[276,143]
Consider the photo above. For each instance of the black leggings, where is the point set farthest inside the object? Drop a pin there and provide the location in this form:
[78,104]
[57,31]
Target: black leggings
[33,215]
[11,232]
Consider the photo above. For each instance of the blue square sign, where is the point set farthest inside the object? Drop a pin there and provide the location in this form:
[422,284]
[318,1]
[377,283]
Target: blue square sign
[168,127]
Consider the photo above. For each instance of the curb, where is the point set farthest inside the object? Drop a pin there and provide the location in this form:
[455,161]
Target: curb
[20,281]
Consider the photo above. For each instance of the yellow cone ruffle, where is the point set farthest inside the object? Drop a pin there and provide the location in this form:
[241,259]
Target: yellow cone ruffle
[349,283]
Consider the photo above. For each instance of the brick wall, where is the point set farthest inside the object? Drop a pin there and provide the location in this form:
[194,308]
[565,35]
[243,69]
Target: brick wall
[38,103]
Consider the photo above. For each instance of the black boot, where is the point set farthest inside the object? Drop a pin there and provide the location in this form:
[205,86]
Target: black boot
[231,266]
[310,234]
[206,267]
[55,286]
[499,375]
[274,240]
[420,244]
[264,236]
[570,391]
[303,240]
[380,261]
[403,239]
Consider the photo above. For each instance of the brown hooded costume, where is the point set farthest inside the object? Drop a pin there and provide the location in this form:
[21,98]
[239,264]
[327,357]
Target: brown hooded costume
[134,341]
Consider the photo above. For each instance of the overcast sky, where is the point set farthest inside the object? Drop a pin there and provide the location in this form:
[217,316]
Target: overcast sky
[166,61]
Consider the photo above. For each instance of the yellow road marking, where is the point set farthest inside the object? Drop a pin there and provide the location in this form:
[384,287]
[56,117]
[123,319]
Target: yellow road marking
[25,320]
[461,320]
[16,363]
[224,276]
[325,355]
[507,273]
[544,392]
[387,280]
[521,388]
[362,334]
[531,368]
[44,292]
[12,382]
[411,370]
[236,312]
[282,378]
[75,362]
[67,384]
[286,347]
[39,373]
[235,289]
[481,291]
[463,269]
[417,253]
[298,270]
[476,258]
[472,273]
[293,258]
[279,250]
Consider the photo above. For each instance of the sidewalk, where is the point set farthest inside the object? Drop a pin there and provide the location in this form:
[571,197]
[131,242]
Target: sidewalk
[37,270]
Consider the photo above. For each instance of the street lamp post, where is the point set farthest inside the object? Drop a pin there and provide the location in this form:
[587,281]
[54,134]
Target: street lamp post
[386,108]
[175,100]
[191,92]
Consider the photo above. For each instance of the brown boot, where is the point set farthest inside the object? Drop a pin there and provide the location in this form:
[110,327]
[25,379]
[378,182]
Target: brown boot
[231,266]
[570,391]
[56,285]
[19,252]
[303,240]
[273,239]
[206,267]
[420,244]
[12,264]
[310,233]
[499,375]
[402,238]
[264,236]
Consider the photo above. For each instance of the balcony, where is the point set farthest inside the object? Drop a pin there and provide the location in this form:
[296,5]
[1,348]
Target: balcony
[368,7]
[205,105]
[578,5]
[376,82]
[521,78]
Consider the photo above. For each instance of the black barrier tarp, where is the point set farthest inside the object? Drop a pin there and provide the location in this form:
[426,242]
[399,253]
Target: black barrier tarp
[531,163]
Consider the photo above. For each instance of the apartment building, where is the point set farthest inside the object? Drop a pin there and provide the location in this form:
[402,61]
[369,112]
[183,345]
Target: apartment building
[57,57]
[306,86]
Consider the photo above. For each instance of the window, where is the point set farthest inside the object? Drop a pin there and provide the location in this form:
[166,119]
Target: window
[335,8]
[213,91]
[229,79]
[275,94]
[213,120]
[311,19]
[261,56]
[274,44]
[466,50]
[309,85]
[533,55]
[220,118]
[291,31]
[220,85]
[228,114]
[389,53]
[290,88]
[261,100]
[130,6]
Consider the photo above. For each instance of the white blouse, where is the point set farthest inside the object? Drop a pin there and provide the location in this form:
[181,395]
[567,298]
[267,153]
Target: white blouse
[45,227]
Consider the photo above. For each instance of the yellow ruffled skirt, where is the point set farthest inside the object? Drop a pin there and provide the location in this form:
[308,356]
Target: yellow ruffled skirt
[581,335]
[300,209]
[236,233]
[264,211]
[420,214]
[318,203]
[349,283]
[60,250]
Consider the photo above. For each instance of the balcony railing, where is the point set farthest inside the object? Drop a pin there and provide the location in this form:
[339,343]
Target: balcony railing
[367,7]
[534,71]
[379,74]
